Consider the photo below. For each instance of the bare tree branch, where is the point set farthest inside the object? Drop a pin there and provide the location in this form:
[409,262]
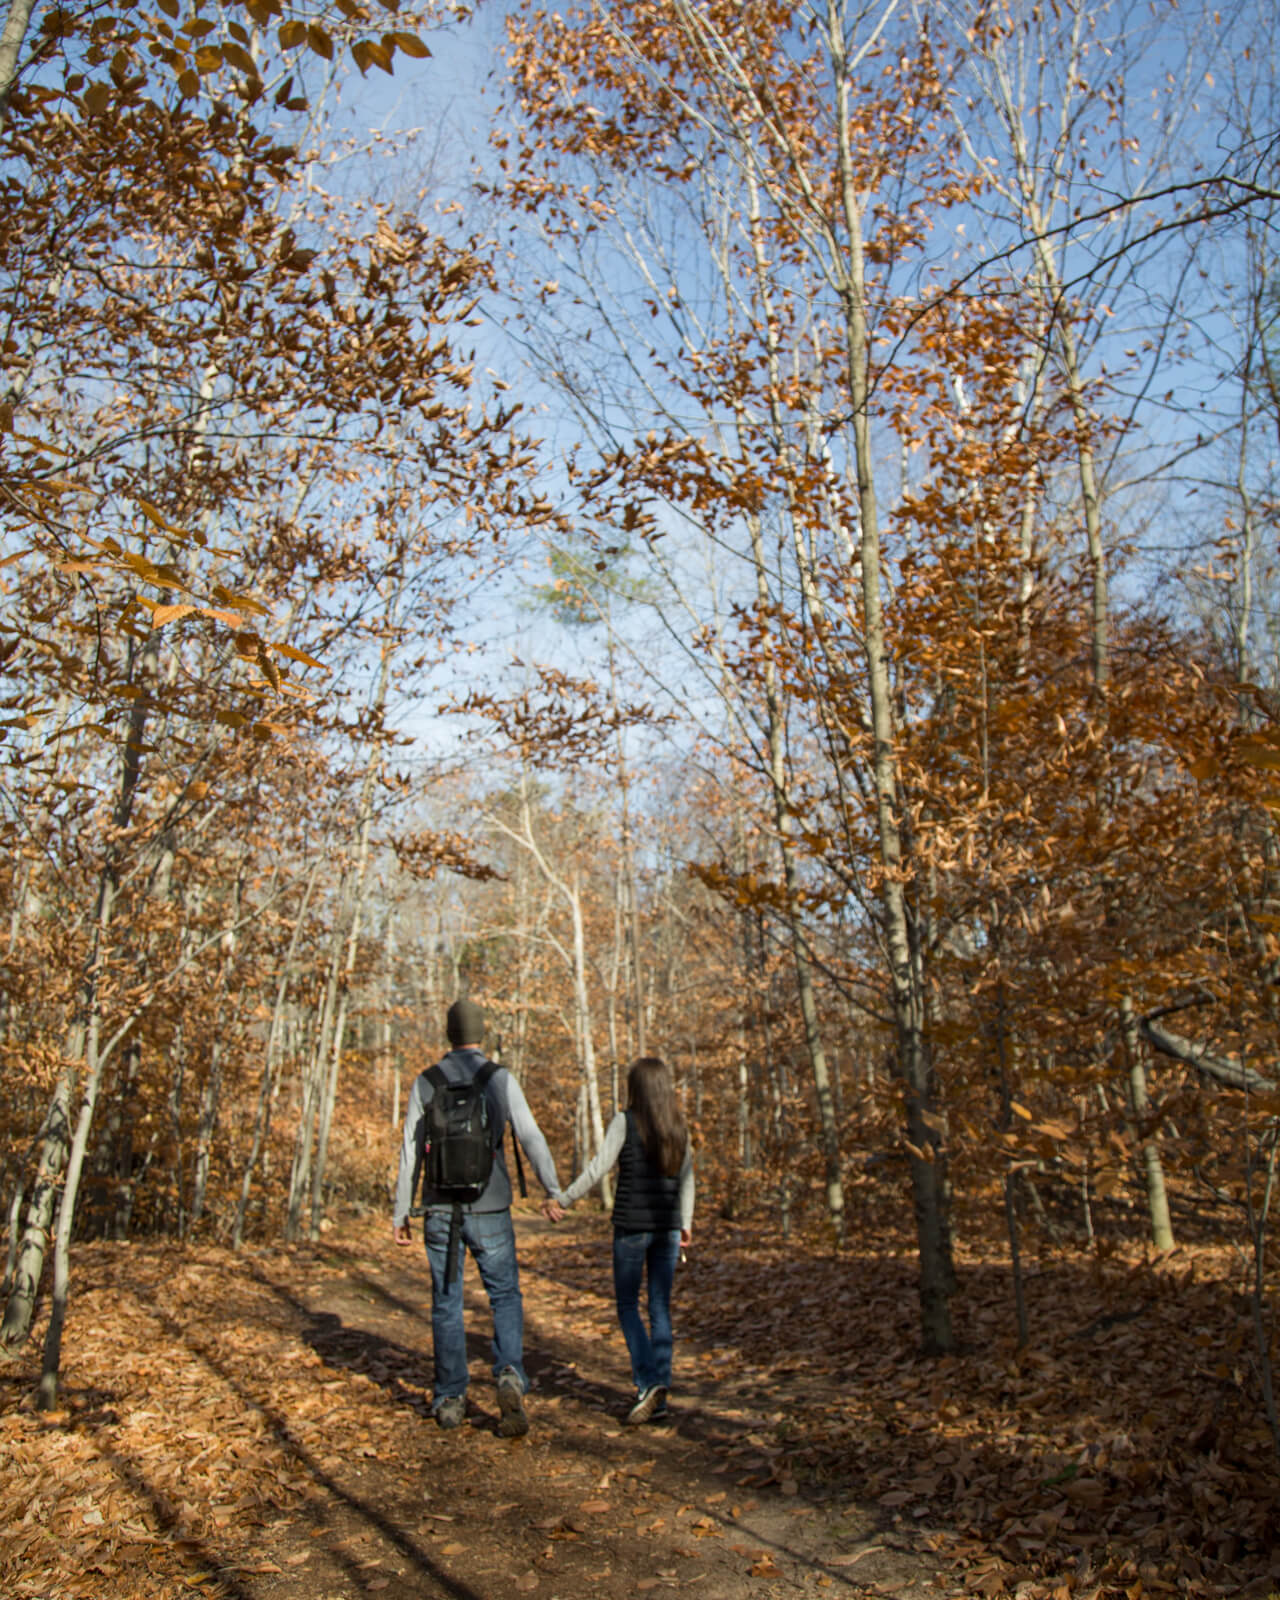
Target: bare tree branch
[1224,1069]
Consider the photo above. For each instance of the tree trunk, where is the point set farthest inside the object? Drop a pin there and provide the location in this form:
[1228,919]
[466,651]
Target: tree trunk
[211,1092]
[261,1131]
[47,1394]
[266,1091]
[55,1136]
[1015,1252]
[325,1122]
[118,1137]
[178,1055]
[929,1188]
[312,1072]
[616,972]
[586,1043]
[53,1143]
[784,819]
[784,822]
[15,31]
[210,1099]
[389,1058]
[1092,503]
[1157,1197]
[575,957]
[15,1217]
[350,923]
[635,980]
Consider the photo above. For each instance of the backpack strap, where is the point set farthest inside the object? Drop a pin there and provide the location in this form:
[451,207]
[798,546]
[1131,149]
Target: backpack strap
[481,1081]
[455,1238]
[515,1145]
[436,1078]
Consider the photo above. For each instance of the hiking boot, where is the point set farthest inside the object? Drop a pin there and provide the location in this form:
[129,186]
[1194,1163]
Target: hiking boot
[513,1419]
[451,1413]
[651,1402]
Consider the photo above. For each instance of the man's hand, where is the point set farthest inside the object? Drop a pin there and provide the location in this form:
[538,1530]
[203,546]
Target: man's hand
[686,1237]
[401,1234]
[552,1212]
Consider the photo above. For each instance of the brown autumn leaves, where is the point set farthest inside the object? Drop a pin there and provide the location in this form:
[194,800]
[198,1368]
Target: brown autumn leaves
[255,1424]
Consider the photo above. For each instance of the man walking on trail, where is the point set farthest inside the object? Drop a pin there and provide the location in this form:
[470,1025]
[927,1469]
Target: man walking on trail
[481,1224]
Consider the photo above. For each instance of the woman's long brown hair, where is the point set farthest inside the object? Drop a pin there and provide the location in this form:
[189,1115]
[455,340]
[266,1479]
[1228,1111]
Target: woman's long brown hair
[651,1095]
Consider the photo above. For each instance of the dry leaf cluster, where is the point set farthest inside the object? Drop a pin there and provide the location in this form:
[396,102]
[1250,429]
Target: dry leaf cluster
[1123,1453]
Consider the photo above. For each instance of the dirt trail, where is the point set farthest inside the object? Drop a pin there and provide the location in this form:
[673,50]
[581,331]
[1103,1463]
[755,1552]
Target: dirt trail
[582,1506]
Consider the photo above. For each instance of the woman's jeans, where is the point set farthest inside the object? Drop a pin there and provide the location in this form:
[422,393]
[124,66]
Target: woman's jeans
[650,1348]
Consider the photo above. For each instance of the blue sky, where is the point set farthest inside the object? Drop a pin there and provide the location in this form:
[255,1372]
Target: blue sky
[446,102]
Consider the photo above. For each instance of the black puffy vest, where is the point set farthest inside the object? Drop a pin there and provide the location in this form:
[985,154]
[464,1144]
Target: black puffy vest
[646,1200]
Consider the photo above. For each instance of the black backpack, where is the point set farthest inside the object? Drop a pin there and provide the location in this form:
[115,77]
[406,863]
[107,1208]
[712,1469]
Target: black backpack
[457,1159]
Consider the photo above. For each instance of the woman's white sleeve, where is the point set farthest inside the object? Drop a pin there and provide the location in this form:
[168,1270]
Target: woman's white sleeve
[605,1157]
[686,1188]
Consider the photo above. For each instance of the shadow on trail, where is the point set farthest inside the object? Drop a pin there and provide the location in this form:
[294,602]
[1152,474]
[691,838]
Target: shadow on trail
[700,1435]
[353,1267]
[92,1414]
[695,1450]
[404,1372]
[413,1553]
[129,1473]
[692,1467]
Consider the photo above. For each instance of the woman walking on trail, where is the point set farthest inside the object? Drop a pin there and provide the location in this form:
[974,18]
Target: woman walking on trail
[652,1219]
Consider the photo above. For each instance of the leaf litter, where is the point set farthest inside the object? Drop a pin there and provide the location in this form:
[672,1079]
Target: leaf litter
[257,1425]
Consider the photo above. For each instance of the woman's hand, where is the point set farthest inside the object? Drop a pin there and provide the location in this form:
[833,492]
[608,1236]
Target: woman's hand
[552,1211]
[686,1238]
[402,1235]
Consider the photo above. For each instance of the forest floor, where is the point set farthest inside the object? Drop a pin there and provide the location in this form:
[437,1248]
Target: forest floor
[257,1427]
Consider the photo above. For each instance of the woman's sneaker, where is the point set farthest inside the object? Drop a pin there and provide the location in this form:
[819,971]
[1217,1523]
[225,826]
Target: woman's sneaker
[651,1402]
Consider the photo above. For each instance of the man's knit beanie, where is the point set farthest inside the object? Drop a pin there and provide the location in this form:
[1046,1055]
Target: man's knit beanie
[464,1023]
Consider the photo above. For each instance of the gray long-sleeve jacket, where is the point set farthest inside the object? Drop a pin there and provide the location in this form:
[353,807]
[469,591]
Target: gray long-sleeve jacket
[506,1103]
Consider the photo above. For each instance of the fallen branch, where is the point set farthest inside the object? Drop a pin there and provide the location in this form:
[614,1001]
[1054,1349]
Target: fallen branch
[1115,1320]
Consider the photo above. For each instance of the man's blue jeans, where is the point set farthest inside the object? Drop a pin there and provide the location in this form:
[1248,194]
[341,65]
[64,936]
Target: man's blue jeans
[491,1239]
[650,1348]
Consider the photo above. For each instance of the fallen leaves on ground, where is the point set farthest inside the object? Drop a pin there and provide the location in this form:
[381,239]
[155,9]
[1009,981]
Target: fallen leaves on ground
[1123,1455]
[193,1415]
